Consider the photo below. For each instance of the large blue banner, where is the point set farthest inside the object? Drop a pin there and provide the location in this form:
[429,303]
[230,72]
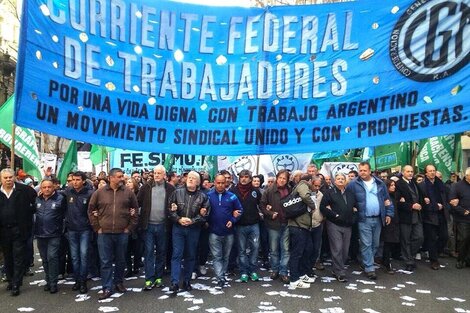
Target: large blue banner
[187,79]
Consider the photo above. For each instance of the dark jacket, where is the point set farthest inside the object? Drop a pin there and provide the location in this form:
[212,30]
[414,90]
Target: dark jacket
[391,232]
[271,196]
[437,194]
[76,213]
[405,207]
[50,215]
[113,208]
[357,186]
[336,209]
[250,203]
[189,204]
[461,191]
[304,220]
[23,201]
[144,197]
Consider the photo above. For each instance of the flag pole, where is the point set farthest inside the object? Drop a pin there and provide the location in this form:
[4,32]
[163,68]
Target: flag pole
[12,148]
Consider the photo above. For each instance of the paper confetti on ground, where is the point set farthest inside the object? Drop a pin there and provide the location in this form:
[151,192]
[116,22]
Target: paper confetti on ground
[106,309]
[332,310]
[423,291]
[408,298]
[194,308]
[25,309]
[81,298]
[458,299]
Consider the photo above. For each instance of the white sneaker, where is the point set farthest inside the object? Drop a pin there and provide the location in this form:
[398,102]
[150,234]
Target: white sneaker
[299,284]
[194,275]
[307,279]
[418,256]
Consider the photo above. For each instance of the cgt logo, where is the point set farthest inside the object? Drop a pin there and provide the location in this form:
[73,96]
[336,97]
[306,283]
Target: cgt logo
[427,43]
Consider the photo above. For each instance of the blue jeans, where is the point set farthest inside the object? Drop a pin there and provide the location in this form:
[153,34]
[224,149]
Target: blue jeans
[79,241]
[279,249]
[185,240]
[220,249]
[248,239]
[154,238]
[112,248]
[49,251]
[369,237]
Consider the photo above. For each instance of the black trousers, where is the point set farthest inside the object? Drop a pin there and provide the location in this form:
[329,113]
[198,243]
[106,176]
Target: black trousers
[14,251]
[435,238]
[463,234]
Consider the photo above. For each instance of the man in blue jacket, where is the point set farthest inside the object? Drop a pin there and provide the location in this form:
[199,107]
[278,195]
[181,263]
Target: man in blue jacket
[49,226]
[374,210]
[78,227]
[225,212]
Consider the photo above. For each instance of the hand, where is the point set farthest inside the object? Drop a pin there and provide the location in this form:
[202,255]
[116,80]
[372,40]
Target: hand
[427,200]
[387,202]
[402,199]
[466,212]
[229,224]
[388,220]
[132,211]
[95,213]
[185,221]
[269,207]
[174,207]
[416,206]
[236,213]
[126,231]
[100,231]
[274,215]
[203,211]
[354,209]
[440,206]
[328,207]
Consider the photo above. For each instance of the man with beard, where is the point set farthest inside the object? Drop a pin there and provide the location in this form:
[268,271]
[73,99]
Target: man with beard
[188,208]
[247,227]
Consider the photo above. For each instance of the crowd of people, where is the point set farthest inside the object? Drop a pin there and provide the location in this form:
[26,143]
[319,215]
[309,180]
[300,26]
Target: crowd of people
[110,226]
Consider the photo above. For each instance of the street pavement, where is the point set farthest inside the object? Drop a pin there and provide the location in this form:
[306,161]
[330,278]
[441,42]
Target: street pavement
[425,290]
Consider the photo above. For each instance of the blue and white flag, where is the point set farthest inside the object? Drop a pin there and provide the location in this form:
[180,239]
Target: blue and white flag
[180,78]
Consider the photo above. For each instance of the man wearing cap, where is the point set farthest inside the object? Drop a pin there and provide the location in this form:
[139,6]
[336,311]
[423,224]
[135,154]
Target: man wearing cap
[16,216]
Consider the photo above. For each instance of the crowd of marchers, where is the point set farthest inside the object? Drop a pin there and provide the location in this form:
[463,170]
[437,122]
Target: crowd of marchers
[168,226]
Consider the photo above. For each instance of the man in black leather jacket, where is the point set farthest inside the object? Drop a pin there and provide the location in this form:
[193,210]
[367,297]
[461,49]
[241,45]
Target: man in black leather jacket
[188,209]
